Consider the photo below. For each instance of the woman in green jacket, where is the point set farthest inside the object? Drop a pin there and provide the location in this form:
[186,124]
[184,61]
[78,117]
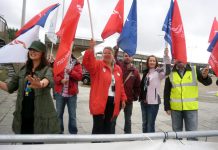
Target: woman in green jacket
[34,112]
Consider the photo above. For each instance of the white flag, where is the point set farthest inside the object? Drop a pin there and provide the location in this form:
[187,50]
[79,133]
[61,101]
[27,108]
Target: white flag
[51,31]
[16,51]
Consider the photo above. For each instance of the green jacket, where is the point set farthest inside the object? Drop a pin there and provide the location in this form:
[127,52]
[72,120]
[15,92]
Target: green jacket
[45,116]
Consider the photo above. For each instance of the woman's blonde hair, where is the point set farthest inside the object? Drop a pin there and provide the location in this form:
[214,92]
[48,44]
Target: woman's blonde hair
[109,48]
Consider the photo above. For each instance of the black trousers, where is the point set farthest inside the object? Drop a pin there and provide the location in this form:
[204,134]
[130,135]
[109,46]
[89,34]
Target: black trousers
[27,125]
[102,124]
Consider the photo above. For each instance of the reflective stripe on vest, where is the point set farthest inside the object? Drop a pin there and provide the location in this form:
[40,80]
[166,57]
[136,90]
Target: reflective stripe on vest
[184,92]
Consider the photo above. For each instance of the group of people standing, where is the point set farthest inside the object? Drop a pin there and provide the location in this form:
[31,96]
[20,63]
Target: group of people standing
[115,85]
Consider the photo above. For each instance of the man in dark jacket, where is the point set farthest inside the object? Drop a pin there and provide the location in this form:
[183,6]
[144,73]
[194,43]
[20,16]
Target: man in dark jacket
[131,81]
[181,95]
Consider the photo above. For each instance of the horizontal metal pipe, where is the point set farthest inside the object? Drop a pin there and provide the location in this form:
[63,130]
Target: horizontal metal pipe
[55,138]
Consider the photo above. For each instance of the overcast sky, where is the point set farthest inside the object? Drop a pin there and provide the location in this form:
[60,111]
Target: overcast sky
[197,16]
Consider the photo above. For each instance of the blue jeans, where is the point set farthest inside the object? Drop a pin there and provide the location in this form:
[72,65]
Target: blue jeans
[71,105]
[149,114]
[190,118]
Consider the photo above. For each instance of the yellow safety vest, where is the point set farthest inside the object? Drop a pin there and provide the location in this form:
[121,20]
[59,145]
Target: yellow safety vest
[184,91]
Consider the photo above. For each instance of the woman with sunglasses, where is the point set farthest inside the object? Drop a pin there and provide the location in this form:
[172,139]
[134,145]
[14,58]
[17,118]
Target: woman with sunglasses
[34,111]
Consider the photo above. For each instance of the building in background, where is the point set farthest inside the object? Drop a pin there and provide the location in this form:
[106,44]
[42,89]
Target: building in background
[80,45]
[6,70]
[3,32]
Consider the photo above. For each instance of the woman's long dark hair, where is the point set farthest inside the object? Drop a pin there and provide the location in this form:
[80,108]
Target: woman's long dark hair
[147,61]
[29,63]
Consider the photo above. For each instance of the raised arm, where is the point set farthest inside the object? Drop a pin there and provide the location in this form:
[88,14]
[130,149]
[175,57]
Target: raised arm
[89,60]
[116,51]
[165,71]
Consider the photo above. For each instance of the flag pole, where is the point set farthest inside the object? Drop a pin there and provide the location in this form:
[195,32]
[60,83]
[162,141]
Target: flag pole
[23,13]
[166,44]
[51,52]
[90,18]
[63,10]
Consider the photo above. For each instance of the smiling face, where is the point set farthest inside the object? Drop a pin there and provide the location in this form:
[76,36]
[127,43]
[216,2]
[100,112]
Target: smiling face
[35,55]
[152,62]
[108,55]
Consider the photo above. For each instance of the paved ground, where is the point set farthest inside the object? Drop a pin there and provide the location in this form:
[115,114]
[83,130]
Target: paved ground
[208,117]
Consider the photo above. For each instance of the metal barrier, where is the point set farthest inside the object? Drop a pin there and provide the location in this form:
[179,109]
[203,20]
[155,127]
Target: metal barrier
[55,138]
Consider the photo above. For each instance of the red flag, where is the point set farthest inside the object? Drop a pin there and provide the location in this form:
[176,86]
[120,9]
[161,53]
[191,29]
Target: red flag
[115,22]
[213,60]
[178,35]
[214,29]
[67,34]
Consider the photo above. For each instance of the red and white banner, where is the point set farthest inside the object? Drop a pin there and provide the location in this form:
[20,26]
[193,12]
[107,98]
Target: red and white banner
[16,51]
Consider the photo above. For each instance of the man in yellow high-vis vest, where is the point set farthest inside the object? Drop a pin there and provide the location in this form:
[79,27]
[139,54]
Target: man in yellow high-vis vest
[181,95]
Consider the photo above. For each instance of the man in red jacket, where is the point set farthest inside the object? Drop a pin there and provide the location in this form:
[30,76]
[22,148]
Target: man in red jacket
[131,81]
[66,90]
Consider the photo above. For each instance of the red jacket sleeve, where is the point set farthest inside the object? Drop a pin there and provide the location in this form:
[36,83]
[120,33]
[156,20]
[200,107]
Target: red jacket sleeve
[76,73]
[58,78]
[90,62]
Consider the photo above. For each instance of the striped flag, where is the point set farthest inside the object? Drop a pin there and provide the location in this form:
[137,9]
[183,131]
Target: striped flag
[16,51]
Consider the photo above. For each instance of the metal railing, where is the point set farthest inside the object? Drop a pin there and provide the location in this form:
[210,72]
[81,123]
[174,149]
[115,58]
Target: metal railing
[56,138]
